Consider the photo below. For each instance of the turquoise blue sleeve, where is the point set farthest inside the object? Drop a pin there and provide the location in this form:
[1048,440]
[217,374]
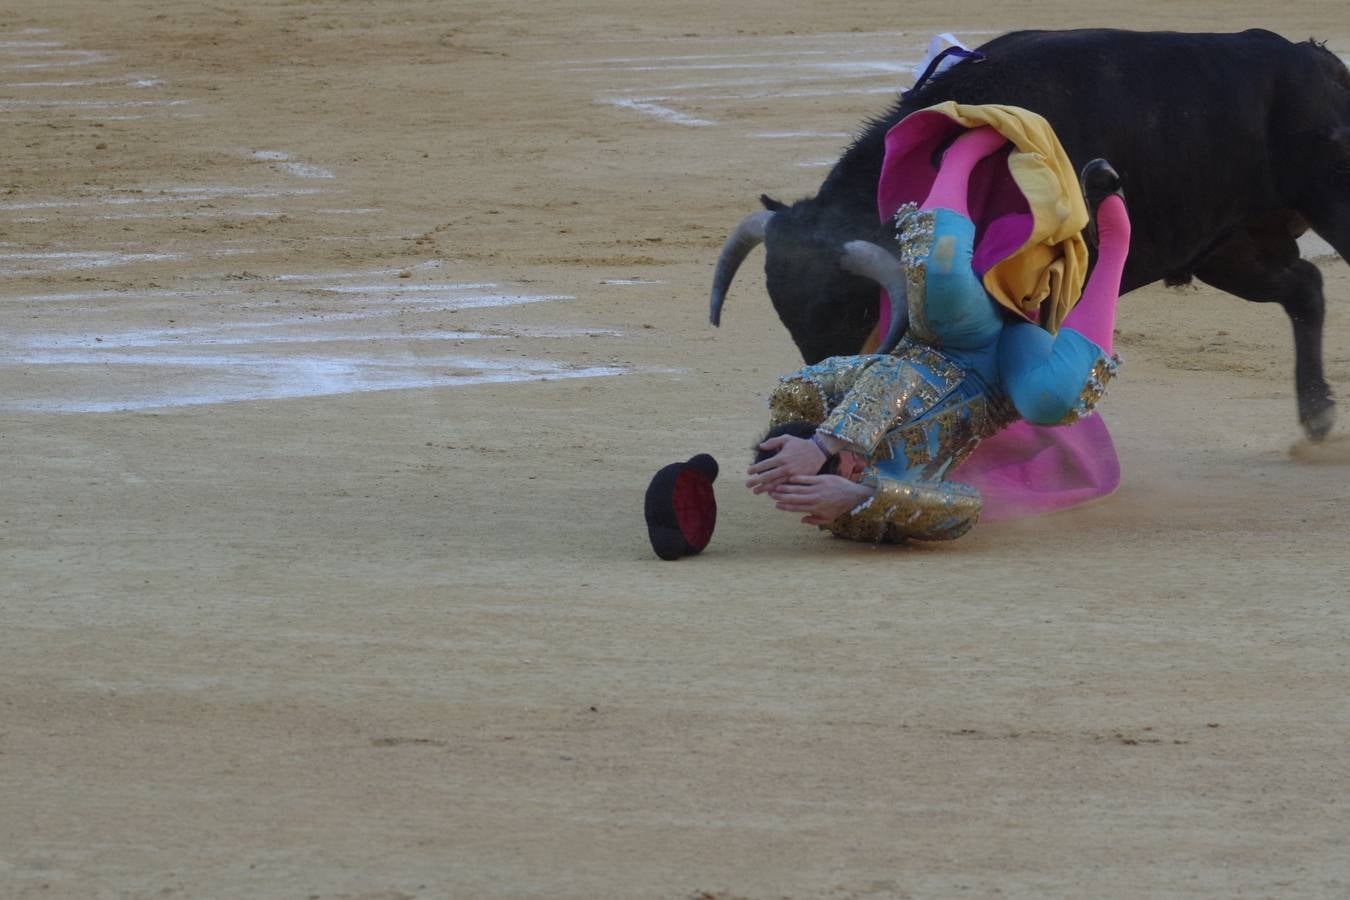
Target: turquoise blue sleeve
[1052,379]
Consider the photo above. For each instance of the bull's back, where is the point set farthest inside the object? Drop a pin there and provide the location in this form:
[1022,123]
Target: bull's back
[1186,118]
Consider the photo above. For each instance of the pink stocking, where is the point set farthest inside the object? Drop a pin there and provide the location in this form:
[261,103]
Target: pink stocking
[952,184]
[1094,317]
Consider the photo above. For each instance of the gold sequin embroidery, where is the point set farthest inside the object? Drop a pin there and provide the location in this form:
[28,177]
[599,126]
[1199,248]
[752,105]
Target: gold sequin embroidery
[896,389]
[1094,388]
[914,230]
[796,401]
[901,510]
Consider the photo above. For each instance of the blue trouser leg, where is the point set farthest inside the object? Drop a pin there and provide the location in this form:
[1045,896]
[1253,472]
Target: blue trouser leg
[955,312]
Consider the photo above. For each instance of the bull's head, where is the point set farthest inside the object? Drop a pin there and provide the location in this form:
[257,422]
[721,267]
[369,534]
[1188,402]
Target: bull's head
[822,268]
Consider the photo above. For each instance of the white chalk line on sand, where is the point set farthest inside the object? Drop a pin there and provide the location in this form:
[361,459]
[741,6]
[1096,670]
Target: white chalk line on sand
[371,273]
[178,214]
[235,378]
[204,339]
[658,111]
[661,110]
[63,58]
[192,214]
[104,117]
[191,193]
[864,68]
[175,195]
[42,263]
[848,39]
[306,170]
[132,81]
[606,64]
[828,65]
[797,135]
[404,287]
[446,300]
[92,255]
[889,90]
[7,105]
[214,364]
[774,84]
[40,48]
[252,379]
[117,297]
[662,103]
[287,163]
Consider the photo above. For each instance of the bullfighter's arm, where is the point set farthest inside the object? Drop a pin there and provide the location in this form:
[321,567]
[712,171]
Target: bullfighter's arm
[901,509]
[808,394]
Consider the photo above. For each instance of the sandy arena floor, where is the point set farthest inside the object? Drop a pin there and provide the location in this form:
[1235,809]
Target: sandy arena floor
[340,341]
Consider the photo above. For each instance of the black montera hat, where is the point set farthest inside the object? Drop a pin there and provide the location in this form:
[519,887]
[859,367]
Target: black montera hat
[681,509]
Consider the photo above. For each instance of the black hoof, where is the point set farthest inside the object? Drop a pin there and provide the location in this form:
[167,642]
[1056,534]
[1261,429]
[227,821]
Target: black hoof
[1099,179]
[1318,424]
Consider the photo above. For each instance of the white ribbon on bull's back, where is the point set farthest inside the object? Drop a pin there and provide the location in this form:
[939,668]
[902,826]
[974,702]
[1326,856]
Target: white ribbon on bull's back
[944,51]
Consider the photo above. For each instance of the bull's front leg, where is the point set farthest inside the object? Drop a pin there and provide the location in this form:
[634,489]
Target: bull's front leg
[1327,210]
[1307,310]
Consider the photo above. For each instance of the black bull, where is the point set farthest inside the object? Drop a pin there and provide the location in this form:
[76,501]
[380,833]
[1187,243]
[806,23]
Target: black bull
[1230,147]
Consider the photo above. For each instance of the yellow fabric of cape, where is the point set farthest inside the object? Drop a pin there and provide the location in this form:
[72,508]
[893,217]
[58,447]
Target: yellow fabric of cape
[1051,266]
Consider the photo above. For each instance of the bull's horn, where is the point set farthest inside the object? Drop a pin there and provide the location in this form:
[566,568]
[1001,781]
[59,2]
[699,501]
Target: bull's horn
[747,236]
[873,261]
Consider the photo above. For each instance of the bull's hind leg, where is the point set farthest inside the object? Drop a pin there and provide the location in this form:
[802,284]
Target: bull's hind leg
[1262,264]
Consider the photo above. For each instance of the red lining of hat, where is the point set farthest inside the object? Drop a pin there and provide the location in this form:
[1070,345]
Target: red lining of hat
[695,508]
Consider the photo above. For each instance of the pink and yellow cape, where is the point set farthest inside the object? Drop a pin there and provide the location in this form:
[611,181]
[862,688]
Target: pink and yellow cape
[1033,262]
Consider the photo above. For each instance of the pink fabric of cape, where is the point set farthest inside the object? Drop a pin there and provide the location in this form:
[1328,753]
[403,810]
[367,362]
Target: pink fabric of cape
[1024,470]
[1028,470]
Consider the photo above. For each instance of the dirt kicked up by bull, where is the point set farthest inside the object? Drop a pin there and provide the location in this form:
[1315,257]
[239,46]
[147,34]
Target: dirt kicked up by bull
[1230,146]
